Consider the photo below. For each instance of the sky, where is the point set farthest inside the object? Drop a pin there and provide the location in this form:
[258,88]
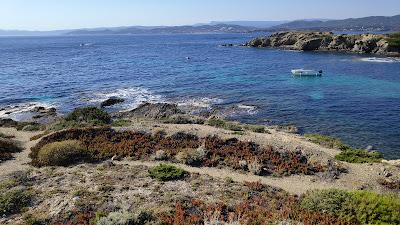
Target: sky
[71,14]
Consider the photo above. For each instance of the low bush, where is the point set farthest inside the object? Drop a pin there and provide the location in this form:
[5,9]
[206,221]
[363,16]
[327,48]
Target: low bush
[13,201]
[327,141]
[256,128]
[219,123]
[335,202]
[125,218]
[62,153]
[373,208]
[33,127]
[29,126]
[183,119]
[214,122]
[160,155]
[192,157]
[359,156]
[390,184]
[90,115]
[2,135]
[117,218]
[104,143]
[394,40]
[255,167]
[165,172]
[355,207]
[121,123]
[7,148]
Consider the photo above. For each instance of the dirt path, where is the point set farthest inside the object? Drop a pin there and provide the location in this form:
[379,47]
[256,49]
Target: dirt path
[293,184]
[21,159]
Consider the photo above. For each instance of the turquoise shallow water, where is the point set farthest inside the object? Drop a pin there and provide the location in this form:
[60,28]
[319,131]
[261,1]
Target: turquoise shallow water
[357,99]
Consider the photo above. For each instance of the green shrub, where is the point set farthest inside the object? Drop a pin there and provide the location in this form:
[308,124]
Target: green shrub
[359,156]
[373,208]
[7,147]
[29,126]
[233,127]
[12,202]
[165,172]
[327,141]
[334,202]
[256,128]
[33,127]
[394,40]
[62,153]
[2,135]
[91,115]
[125,218]
[183,119]
[355,207]
[214,122]
[219,123]
[10,146]
[64,124]
[121,123]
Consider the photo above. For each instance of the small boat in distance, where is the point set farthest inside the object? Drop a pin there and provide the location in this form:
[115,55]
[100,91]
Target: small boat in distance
[303,72]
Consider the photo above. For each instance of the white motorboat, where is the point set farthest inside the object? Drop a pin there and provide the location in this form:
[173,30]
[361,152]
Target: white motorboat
[303,72]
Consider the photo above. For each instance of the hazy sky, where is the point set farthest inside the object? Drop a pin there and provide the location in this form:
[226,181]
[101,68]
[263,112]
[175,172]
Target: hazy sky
[62,14]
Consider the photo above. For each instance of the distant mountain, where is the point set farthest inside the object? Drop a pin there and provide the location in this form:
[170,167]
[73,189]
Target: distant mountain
[372,23]
[367,24]
[257,24]
[31,33]
[218,28]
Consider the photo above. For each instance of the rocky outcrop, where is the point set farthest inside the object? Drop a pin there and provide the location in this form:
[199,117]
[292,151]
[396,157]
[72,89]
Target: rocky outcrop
[111,101]
[153,111]
[327,41]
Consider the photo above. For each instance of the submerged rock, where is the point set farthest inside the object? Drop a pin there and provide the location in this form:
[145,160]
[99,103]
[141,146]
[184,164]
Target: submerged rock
[327,41]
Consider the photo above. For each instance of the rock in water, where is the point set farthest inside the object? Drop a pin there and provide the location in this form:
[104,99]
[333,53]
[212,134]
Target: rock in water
[154,111]
[111,101]
[327,41]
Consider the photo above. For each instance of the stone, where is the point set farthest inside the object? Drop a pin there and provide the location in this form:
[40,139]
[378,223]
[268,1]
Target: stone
[111,101]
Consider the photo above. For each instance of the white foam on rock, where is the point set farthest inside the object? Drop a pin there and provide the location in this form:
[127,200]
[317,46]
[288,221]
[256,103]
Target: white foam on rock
[133,97]
[10,110]
[203,102]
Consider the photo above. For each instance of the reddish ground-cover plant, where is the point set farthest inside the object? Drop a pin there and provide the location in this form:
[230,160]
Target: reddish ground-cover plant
[104,143]
[260,208]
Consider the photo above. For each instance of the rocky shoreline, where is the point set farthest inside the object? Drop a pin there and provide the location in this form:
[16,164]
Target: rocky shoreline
[378,44]
[91,167]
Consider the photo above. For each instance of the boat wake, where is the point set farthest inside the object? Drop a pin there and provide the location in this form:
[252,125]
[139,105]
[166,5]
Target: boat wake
[380,60]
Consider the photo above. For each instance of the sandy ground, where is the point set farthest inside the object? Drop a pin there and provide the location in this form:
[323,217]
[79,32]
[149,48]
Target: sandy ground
[21,160]
[359,176]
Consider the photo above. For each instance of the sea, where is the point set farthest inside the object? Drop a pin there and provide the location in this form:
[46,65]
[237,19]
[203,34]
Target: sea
[357,99]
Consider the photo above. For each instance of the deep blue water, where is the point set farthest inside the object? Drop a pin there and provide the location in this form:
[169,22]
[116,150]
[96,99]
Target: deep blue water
[358,101]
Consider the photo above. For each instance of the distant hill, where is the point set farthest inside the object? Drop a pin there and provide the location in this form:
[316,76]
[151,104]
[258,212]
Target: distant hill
[366,24]
[257,24]
[31,33]
[218,28]
[372,23]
